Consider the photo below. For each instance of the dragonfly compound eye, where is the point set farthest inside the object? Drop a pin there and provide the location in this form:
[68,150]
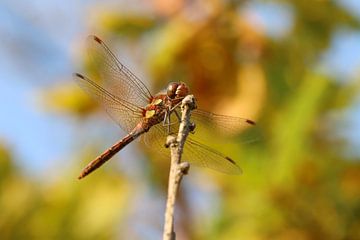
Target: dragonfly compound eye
[171,89]
[182,90]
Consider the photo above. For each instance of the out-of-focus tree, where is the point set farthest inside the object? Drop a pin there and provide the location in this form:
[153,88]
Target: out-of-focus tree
[298,184]
[61,209]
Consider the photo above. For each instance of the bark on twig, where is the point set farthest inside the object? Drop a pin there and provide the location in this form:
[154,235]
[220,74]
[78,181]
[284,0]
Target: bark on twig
[177,168]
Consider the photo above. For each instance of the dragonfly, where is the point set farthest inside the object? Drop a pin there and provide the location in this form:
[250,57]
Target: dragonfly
[152,117]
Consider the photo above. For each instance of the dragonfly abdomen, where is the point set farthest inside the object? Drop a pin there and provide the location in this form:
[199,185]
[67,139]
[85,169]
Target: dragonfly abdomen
[109,153]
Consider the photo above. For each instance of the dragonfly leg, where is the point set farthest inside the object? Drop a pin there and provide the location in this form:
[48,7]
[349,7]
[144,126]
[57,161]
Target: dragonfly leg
[168,113]
[174,107]
[192,126]
[165,118]
[178,116]
[166,121]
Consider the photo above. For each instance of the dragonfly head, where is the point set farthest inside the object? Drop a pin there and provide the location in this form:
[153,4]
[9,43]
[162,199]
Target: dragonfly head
[177,90]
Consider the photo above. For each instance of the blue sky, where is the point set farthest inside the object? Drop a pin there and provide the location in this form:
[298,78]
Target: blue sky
[37,38]
[34,56]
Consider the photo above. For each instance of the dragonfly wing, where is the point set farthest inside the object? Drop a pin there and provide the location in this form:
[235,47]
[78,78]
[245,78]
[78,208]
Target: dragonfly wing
[115,77]
[155,140]
[220,123]
[125,114]
[194,152]
[205,156]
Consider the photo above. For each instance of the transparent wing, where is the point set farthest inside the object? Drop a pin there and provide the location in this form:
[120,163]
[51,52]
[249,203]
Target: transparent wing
[195,152]
[115,77]
[155,140]
[204,156]
[221,124]
[124,113]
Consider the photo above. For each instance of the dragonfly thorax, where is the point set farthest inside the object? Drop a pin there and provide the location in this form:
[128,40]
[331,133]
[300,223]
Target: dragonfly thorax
[155,110]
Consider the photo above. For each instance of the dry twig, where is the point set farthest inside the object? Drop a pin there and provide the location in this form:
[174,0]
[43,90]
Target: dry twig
[177,168]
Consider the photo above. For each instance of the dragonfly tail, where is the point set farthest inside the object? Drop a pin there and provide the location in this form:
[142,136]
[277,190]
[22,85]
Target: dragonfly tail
[105,156]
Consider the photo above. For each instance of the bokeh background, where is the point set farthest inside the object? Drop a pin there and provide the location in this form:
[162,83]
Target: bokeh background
[292,66]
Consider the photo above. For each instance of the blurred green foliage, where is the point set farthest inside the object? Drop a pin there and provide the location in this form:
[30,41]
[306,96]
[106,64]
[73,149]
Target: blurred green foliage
[61,209]
[297,183]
